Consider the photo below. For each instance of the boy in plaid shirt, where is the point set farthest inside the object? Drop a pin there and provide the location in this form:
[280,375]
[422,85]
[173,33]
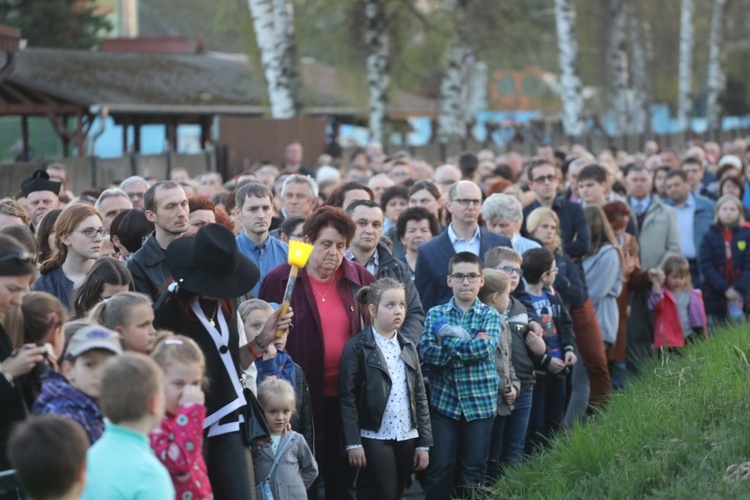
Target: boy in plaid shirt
[458,346]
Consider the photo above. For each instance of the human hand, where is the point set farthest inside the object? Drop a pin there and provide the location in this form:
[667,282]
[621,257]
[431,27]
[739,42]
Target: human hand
[273,323]
[421,459]
[511,395]
[534,326]
[570,358]
[556,365]
[270,352]
[24,360]
[535,343]
[482,336]
[357,458]
[192,395]
[732,295]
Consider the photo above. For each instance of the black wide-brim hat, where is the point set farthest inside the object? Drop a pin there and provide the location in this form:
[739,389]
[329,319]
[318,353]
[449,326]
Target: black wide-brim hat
[210,264]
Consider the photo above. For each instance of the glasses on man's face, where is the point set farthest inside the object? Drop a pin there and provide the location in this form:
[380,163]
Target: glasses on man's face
[90,232]
[510,270]
[555,270]
[473,278]
[20,257]
[467,201]
[136,196]
[545,178]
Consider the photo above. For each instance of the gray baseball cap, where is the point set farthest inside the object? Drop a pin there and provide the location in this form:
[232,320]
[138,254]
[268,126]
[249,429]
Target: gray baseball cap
[93,337]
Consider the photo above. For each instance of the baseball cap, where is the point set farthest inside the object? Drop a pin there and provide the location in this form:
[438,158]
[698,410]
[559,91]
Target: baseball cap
[93,337]
[733,160]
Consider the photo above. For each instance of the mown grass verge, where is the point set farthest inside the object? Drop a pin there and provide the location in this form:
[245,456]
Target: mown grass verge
[672,434]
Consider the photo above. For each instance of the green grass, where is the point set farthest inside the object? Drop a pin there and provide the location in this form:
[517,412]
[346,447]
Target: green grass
[672,434]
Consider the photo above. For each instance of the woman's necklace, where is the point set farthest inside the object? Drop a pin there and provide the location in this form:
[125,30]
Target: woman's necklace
[212,321]
[323,295]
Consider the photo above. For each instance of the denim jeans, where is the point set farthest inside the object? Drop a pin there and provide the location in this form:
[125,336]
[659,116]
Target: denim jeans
[506,451]
[547,407]
[459,447]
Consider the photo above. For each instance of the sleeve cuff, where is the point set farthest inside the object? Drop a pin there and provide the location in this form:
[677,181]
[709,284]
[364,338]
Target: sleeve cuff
[422,448]
[353,447]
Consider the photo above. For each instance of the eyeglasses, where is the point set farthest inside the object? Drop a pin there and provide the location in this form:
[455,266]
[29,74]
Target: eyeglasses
[473,278]
[21,257]
[467,201]
[90,232]
[555,270]
[511,270]
[136,196]
[545,178]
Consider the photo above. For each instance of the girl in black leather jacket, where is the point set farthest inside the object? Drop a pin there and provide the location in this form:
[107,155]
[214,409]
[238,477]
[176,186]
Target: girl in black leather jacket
[383,404]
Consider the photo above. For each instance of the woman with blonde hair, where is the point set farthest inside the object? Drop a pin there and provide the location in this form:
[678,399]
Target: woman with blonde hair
[591,386]
[79,236]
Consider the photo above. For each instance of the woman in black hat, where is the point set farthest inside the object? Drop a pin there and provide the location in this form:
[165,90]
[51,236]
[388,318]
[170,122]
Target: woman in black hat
[17,269]
[208,273]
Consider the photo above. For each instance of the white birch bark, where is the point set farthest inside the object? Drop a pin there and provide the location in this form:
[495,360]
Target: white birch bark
[377,65]
[716,79]
[279,92]
[617,62]
[641,80]
[452,119]
[685,71]
[570,82]
[283,13]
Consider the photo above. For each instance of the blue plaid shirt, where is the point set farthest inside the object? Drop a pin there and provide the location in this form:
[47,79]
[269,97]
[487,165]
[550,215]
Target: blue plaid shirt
[463,378]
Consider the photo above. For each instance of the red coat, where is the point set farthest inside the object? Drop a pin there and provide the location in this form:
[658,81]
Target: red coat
[667,326]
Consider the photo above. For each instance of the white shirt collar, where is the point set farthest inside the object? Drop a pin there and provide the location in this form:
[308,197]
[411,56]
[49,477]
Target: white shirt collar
[454,237]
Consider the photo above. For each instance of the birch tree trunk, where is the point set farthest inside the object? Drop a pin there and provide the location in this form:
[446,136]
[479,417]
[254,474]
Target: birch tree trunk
[716,79]
[685,72]
[452,119]
[617,62]
[377,65]
[570,82]
[639,39]
[283,13]
[280,94]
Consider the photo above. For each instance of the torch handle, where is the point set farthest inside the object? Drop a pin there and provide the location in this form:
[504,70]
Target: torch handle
[284,307]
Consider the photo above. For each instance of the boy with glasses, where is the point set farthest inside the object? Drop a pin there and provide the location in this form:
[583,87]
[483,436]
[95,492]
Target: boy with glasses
[463,380]
[548,401]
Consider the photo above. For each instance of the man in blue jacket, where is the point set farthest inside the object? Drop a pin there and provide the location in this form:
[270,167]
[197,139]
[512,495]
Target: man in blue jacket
[695,213]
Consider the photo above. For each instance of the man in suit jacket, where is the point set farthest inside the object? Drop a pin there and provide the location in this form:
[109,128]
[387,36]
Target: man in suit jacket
[463,234]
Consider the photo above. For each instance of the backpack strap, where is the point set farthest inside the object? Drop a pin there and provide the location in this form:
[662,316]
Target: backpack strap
[280,454]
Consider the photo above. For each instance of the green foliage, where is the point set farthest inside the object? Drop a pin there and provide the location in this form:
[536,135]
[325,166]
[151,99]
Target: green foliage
[672,434]
[70,24]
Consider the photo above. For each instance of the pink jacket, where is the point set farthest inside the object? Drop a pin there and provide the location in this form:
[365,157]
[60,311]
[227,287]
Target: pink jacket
[667,327]
[178,443]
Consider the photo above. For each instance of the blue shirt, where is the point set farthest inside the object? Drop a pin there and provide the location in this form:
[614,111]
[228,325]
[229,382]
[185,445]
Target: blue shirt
[266,256]
[686,226]
[121,465]
[462,245]
[521,244]
[642,204]
[544,309]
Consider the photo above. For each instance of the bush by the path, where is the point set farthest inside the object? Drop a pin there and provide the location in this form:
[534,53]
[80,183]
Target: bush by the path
[672,434]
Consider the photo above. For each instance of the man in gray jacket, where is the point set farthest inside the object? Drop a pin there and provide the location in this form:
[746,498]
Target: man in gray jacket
[366,249]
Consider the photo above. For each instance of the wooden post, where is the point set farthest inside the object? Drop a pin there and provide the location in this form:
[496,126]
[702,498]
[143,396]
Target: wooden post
[137,137]
[25,137]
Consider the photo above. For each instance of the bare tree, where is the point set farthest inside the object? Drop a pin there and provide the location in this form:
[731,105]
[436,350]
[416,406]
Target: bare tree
[641,82]
[273,26]
[685,73]
[617,65]
[716,77]
[377,43]
[452,118]
[570,82]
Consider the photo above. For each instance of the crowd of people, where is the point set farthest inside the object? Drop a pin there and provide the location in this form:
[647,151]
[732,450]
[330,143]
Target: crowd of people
[450,320]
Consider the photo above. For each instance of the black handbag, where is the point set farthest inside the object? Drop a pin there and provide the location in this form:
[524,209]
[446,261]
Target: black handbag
[255,427]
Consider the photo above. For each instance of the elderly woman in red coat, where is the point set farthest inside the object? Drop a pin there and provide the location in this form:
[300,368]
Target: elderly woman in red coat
[326,315]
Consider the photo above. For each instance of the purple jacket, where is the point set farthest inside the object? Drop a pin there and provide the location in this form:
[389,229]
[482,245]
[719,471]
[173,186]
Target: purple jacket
[61,398]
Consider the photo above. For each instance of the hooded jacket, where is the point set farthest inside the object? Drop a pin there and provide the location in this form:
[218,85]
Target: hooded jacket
[603,272]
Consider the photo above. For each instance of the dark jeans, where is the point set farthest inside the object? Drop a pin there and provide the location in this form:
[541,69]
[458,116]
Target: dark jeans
[389,465]
[459,447]
[508,451]
[547,407]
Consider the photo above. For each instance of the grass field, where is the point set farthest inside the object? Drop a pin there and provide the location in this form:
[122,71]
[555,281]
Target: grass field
[672,434]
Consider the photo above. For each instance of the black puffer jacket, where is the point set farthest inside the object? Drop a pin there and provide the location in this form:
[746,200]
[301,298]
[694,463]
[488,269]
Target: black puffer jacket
[365,385]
